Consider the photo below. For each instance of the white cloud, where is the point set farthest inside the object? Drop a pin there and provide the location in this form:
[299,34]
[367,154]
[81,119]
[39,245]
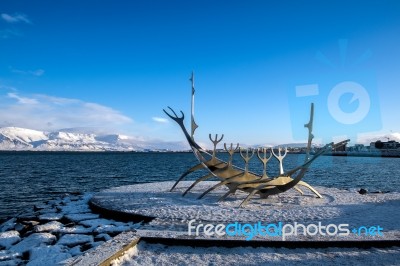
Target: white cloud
[22,100]
[37,72]
[97,112]
[16,18]
[160,119]
[43,112]
[59,100]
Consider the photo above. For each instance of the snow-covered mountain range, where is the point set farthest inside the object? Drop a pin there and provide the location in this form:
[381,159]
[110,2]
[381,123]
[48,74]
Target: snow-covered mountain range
[15,138]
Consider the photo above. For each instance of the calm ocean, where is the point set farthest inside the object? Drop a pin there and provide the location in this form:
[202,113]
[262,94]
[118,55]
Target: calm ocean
[28,178]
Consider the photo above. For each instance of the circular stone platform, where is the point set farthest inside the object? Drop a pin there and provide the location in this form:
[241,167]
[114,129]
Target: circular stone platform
[171,211]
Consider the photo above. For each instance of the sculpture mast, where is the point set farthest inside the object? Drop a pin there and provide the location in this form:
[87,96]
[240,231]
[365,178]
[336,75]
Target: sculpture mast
[309,125]
[193,123]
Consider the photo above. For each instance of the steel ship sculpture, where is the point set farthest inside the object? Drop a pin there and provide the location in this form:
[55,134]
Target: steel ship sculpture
[236,178]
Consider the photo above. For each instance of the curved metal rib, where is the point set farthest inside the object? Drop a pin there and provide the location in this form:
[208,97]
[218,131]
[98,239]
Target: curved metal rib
[304,184]
[191,170]
[213,187]
[284,187]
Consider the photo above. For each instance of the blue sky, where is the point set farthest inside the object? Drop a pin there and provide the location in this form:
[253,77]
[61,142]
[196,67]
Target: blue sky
[114,65]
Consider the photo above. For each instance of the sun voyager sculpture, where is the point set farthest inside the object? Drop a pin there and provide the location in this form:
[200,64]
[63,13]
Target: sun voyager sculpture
[236,178]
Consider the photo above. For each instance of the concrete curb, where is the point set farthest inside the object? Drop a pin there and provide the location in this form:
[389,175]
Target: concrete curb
[105,253]
[270,244]
[118,215]
[116,247]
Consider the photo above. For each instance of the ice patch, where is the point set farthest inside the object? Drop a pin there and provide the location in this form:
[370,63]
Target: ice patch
[15,262]
[104,237]
[32,241]
[110,229]
[48,227]
[72,240]
[9,238]
[48,255]
[8,225]
[77,217]
[75,251]
[74,230]
[51,216]
[95,223]
[8,255]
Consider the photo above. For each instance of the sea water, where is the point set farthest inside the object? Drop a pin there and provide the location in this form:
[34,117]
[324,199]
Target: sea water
[28,178]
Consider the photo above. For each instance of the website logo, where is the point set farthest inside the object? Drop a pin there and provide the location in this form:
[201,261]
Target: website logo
[280,229]
[345,96]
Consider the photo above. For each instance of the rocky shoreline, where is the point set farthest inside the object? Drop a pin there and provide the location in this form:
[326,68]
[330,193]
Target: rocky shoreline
[66,230]
[55,231]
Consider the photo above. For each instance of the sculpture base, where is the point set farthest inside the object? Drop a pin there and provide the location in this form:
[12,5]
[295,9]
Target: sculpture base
[169,213]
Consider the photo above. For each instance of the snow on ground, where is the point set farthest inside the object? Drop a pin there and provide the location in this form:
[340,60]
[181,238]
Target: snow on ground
[55,231]
[72,240]
[32,241]
[69,228]
[23,134]
[173,211]
[48,255]
[156,254]
[9,238]
[77,217]
[103,254]
[50,226]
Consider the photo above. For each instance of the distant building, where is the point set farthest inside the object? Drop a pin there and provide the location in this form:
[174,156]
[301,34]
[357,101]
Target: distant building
[381,145]
[340,148]
[358,148]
